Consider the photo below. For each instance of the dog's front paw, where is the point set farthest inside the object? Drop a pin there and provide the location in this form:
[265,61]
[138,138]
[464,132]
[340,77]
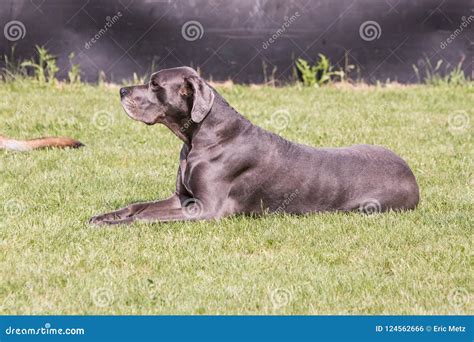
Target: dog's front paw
[109,219]
[101,219]
[96,220]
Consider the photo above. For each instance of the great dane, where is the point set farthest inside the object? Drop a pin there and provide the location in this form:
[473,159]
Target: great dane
[230,166]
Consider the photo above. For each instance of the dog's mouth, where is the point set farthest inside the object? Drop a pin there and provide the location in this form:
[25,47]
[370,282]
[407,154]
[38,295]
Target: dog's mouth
[130,108]
[133,111]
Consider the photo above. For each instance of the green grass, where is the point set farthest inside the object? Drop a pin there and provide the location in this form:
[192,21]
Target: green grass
[53,262]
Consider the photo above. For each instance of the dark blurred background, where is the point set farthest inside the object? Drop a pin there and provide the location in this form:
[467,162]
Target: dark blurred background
[239,39]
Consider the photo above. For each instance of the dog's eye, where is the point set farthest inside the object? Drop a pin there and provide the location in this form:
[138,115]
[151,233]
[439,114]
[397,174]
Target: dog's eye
[155,86]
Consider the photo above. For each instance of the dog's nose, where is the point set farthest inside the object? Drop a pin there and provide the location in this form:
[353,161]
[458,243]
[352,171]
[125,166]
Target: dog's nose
[123,92]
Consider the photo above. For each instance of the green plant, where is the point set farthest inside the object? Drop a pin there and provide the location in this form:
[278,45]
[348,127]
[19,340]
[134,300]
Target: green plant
[45,68]
[101,78]
[139,79]
[308,72]
[143,78]
[135,79]
[74,73]
[12,69]
[457,76]
[318,74]
[433,75]
[269,79]
[347,66]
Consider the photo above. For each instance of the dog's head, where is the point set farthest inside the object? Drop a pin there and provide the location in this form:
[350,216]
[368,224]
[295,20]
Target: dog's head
[176,97]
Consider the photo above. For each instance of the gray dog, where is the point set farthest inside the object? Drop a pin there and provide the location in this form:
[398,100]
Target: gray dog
[230,166]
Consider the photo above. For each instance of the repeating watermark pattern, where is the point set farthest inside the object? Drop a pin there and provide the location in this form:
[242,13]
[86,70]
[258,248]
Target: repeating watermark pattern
[458,297]
[215,4]
[152,289]
[370,206]
[37,5]
[102,297]
[102,120]
[370,30]
[465,22]
[24,110]
[193,208]
[280,297]
[458,122]
[126,3]
[29,286]
[280,119]
[7,303]
[109,22]
[14,30]
[70,121]
[420,62]
[192,30]
[184,127]
[14,208]
[281,30]
[288,199]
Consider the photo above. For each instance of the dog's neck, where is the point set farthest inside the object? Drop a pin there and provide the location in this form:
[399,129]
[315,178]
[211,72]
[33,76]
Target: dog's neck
[222,123]
[182,130]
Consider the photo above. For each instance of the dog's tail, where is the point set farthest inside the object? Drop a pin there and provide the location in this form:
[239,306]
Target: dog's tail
[33,144]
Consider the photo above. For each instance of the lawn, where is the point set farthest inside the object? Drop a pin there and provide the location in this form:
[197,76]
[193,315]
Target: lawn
[53,262]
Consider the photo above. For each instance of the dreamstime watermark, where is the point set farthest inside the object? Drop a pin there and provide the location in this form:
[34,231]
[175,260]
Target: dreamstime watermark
[288,199]
[193,208]
[370,30]
[7,303]
[458,122]
[102,297]
[46,330]
[458,297]
[110,21]
[186,125]
[464,24]
[192,30]
[281,30]
[370,206]
[280,297]
[70,121]
[152,289]
[102,120]
[24,110]
[14,208]
[280,119]
[14,30]
[215,3]
[126,3]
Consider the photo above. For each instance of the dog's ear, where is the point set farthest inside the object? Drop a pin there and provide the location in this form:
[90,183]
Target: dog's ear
[202,97]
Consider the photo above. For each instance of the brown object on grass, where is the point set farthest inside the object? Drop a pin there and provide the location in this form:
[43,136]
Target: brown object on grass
[40,143]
